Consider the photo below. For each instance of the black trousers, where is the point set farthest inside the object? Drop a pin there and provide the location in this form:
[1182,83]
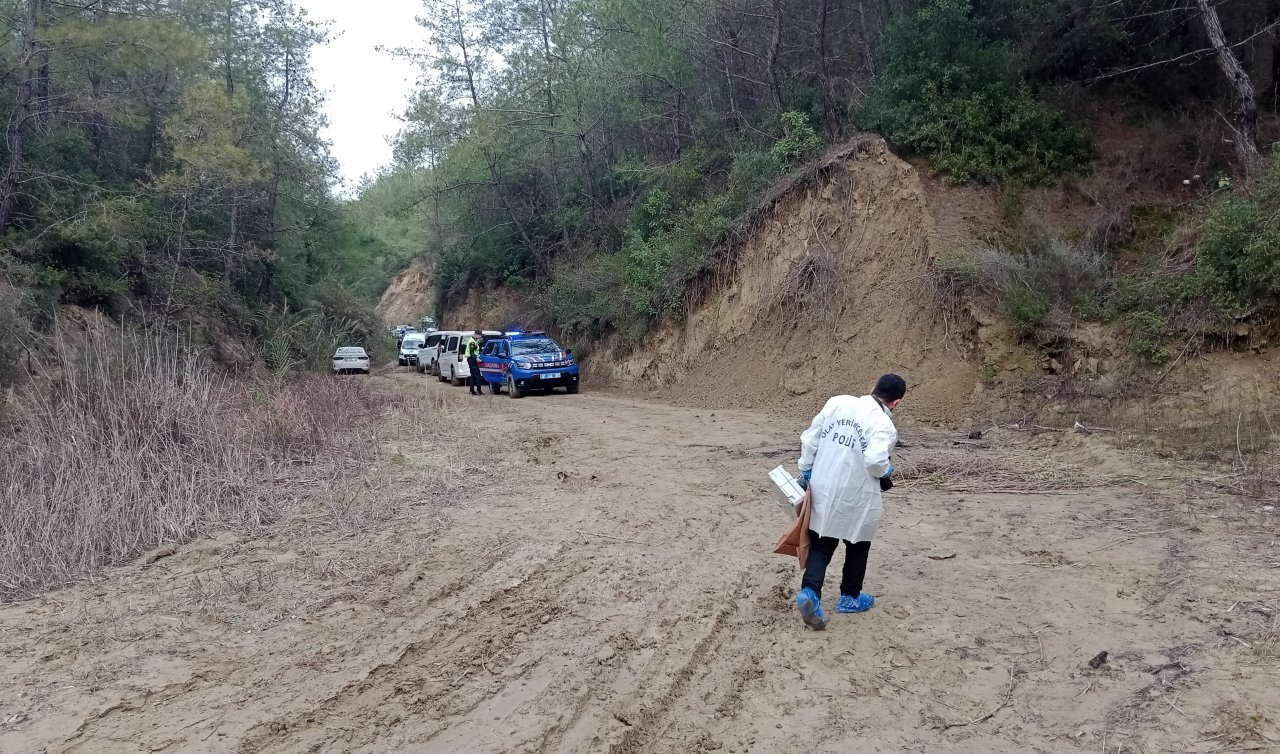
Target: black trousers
[822,549]
[475,383]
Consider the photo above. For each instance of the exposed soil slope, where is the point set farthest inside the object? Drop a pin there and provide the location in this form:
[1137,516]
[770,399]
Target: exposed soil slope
[408,297]
[598,579]
[826,293]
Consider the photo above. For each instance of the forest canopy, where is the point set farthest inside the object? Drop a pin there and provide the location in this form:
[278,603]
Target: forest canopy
[594,153]
[164,155]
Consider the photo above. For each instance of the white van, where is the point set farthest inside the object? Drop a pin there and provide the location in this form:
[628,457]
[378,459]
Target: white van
[440,365]
[409,346]
[427,354]
[453,360]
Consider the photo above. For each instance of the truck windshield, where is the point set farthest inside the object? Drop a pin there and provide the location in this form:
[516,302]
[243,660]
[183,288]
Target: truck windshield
[534,347]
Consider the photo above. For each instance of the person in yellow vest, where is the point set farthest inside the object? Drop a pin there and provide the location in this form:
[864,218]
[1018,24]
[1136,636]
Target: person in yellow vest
[475,383]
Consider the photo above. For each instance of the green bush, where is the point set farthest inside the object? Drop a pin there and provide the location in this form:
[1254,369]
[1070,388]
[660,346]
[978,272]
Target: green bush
[799,141]
[17,335]
[492,258]
[1040,286]
[586,298]
[665,246]
[1238,258]
[1026,308]
[1148,332]
[1236,275]
[947,94]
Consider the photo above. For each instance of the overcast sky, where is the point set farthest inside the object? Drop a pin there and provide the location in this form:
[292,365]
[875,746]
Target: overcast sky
[364,89]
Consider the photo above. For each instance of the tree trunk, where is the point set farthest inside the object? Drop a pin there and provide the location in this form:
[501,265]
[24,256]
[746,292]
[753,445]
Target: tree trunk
[435,202]
[20,120]
[868,53]
[1245,110]
[775,42]
[553,156]
[829,114]
[40,95]
[233,240]
[94,124]
[273,194]
[230,43]
[467,66]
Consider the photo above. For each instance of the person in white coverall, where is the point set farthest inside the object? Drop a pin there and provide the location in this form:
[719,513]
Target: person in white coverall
[844,461]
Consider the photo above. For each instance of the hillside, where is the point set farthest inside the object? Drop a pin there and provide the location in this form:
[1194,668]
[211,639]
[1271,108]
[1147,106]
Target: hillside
[1075,212]
[827,289]
[408,296]
[832,280]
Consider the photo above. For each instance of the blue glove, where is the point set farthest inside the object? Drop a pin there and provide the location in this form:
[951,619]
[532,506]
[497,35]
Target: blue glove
[890,471]
[805,476]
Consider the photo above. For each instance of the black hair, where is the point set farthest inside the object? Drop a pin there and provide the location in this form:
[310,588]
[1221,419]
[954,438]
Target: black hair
[890,388]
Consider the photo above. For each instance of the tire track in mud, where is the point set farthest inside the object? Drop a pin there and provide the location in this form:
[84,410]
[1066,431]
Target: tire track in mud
[425,678]
[198,703]
[708,680]
[89,735]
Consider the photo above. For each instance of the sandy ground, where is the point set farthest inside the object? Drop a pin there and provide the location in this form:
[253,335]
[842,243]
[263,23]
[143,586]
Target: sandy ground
[593,573]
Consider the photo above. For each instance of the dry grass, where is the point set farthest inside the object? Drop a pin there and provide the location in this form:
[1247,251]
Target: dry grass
[966,470]
[139,442]
[1234,437]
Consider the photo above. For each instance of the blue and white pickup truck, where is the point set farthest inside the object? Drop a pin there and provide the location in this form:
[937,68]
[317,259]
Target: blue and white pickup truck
[524,362]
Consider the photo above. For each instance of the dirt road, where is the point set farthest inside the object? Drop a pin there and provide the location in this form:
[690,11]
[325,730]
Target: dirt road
[593,573]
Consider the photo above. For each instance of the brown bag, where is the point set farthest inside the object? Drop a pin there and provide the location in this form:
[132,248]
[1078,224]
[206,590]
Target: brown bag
[796,540]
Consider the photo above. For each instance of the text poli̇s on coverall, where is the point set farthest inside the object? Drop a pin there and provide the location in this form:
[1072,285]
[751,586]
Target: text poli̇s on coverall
[847,446]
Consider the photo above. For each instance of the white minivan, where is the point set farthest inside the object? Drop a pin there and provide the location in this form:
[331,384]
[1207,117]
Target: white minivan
[428,352]
[453,359]
[441,363]
[409,346]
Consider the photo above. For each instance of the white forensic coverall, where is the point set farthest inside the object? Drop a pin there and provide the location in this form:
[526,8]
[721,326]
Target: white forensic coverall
[848,446]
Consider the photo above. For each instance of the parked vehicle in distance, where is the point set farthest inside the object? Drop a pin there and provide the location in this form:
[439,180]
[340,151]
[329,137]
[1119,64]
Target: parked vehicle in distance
[428,353]
[350,359]
[409,345]
[453,360]
[522,362]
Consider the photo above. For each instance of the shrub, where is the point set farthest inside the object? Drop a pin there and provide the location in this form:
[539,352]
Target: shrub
[17,336]
[1234,274]
[1026,308]
[946,94]
[1040,287]
[1238,258]
[665,246]
[1148,332]
[585,297]
[799,141]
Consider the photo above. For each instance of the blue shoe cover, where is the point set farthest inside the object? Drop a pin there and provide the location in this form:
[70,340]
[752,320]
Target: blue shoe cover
[850,604]
[811,609]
